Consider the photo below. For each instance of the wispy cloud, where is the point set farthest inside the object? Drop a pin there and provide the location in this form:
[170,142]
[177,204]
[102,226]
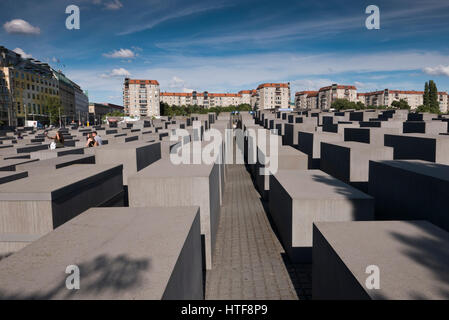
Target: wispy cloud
[149,22]
[437,71]
[120,54]
[120,72]
[19,26]
[22,53]
[113,5]
[314,28]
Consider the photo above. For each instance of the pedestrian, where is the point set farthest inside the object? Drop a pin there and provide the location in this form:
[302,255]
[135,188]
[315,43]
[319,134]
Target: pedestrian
[58,139]
[90,141]
[97,138]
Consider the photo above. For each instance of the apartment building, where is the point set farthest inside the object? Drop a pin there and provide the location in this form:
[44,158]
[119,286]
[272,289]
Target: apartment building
[246,96]
[67,97]
[225,99]
[306,99]
[5,99]
[31,85]
[443,101]
[206,99]
[141,97]
[254,99]
[81,104]
[274,95]
[329,94]
[312,101]
[386,97]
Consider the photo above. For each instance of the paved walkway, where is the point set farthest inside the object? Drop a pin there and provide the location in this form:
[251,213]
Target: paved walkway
[249,261]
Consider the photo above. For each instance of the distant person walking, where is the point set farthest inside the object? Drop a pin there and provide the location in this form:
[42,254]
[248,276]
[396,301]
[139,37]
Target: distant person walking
[58,139]
[97,138]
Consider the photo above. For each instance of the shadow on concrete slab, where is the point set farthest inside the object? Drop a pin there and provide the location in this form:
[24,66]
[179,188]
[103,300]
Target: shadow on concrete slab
[99,276]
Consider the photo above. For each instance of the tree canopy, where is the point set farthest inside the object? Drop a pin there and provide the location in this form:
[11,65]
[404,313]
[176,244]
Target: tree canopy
[401,104]
[167,110]
[52,109]
[430,99]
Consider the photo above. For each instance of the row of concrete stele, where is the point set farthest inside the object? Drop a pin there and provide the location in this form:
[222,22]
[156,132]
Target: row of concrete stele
[360,195]
[351,190]
[135,225]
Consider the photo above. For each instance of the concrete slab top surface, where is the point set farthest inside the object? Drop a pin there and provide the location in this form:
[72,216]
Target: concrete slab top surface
[125,146]
[322,134]
[54,161]
[58,150]
[15,162]
[315,184]
[41,187]
[423,135]
[127,253]
[438,171]
[412,256]
[164,168]
[289,150]
[356,145]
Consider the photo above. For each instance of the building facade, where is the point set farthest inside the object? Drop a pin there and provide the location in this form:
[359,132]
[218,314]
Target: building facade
[306,99]
[246,96]
[141,97]
[274,95]
[5,98]
[32,87]
[81,105]
[327,95]
[98,110]
[386,97]
[205,99]
[443,101]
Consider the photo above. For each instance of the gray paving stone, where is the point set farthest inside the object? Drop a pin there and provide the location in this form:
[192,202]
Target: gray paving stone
[248,255]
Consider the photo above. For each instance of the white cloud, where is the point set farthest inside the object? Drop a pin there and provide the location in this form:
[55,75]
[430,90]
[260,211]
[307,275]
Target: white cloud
[114,5]
[19,26]
[22,53]
[178,84]
[440,70]
[309,84]
[122,53]
[120,72]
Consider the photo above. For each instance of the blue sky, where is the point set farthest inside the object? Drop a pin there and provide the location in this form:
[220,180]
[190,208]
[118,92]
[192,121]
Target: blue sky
[227,46]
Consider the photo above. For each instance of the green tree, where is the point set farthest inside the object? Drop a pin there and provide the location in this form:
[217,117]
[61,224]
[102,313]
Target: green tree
[52,109]
[401,104]
[114,114]
[343,104]
[433,95]
[426,97]
[170,111]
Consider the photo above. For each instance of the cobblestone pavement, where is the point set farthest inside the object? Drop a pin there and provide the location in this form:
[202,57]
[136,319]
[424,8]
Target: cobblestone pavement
[249,261]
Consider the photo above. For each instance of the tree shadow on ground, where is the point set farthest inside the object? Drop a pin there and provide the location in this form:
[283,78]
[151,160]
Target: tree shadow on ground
[102,276]
[432,252]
